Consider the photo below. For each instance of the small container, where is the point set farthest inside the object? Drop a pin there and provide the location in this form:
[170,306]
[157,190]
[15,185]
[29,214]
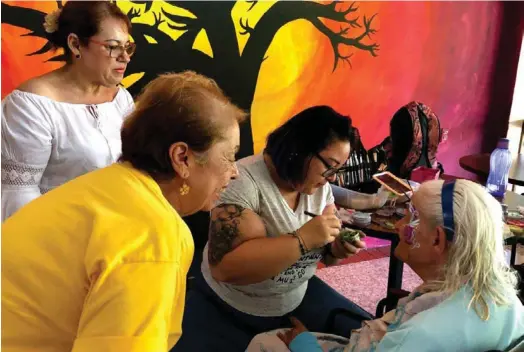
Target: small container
[361,219]
[514,215]
[361,216]
[504,211]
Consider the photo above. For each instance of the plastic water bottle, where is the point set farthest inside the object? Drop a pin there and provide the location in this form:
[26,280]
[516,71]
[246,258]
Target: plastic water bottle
[500,163]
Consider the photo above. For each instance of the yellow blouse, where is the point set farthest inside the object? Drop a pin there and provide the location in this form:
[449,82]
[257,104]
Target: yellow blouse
[98,264]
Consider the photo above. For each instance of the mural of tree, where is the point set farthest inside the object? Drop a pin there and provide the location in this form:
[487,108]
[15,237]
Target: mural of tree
[236,72]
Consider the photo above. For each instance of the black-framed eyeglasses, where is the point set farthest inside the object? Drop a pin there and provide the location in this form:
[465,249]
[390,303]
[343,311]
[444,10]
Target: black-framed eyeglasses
[116,51]
[330,169]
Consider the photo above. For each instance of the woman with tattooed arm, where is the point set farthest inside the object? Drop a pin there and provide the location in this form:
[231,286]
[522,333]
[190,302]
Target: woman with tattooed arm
[263,248]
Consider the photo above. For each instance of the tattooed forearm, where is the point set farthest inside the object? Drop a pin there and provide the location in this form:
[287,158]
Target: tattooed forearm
[223,231]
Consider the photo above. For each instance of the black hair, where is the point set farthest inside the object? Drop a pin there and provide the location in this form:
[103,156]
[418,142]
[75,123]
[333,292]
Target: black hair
[292,145]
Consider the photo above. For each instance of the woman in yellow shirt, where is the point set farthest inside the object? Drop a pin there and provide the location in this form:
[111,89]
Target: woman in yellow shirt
[100,263]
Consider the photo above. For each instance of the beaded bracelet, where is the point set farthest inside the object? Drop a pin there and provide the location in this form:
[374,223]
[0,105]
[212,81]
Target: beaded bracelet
[303,248]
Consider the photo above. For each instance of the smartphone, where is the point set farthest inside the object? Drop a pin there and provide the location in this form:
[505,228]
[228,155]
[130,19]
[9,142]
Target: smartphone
[392,183]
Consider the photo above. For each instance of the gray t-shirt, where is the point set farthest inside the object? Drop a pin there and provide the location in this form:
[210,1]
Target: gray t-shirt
[254,189]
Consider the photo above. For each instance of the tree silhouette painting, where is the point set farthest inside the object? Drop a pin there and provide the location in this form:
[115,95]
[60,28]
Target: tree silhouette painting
[236,72]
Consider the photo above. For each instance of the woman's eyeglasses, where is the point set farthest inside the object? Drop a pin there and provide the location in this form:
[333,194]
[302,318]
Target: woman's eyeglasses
[116,51]
[330,169]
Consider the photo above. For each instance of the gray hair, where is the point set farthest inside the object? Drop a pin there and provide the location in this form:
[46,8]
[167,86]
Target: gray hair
[476,256]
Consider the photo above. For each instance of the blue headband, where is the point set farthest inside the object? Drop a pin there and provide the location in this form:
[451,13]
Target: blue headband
[447,209]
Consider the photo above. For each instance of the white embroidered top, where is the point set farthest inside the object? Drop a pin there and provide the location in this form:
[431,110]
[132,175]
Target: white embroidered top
[46,143]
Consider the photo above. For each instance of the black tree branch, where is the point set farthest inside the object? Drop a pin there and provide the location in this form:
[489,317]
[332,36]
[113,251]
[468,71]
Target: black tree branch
[253,3]
[170,55]
[148,4]
[196,8]
[134,13]
[247,29]
[186,23]
[284,12]
[21,17]
[339,38]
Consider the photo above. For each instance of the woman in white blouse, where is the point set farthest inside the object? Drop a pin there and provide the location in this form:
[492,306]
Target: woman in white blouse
[67,122]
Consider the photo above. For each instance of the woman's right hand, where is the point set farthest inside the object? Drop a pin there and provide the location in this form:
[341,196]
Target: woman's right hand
[289,335]
[320,230]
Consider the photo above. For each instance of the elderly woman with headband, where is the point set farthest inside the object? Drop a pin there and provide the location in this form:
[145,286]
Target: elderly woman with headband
[67,122]
[468,301]
[100,263]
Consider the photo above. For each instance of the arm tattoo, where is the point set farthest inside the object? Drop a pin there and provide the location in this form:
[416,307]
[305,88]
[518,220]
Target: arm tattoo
[223,231]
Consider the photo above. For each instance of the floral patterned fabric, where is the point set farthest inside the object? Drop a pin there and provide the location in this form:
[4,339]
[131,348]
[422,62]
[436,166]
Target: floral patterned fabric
[434,137]
[365,339]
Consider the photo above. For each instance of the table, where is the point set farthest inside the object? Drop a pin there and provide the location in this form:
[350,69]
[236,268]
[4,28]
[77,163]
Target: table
[513,200]
[479,165]
[396,266]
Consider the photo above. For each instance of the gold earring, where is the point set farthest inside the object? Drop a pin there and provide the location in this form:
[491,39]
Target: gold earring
[184,189]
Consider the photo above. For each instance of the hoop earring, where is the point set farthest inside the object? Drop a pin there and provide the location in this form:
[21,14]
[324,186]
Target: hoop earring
[184,190]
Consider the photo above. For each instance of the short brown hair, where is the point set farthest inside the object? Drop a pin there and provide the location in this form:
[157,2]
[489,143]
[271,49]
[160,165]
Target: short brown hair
[83,18]
[175,107]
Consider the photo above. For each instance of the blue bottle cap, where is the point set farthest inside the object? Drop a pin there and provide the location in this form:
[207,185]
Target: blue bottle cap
[503,143]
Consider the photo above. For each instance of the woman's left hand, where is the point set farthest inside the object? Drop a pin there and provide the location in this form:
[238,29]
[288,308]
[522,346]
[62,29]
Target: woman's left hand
[289,335]
[342,249]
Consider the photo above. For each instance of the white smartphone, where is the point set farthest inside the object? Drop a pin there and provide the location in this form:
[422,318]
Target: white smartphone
[392,183]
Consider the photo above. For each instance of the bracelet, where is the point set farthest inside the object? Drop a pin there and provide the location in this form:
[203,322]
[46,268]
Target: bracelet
[303,242]
[303,248]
